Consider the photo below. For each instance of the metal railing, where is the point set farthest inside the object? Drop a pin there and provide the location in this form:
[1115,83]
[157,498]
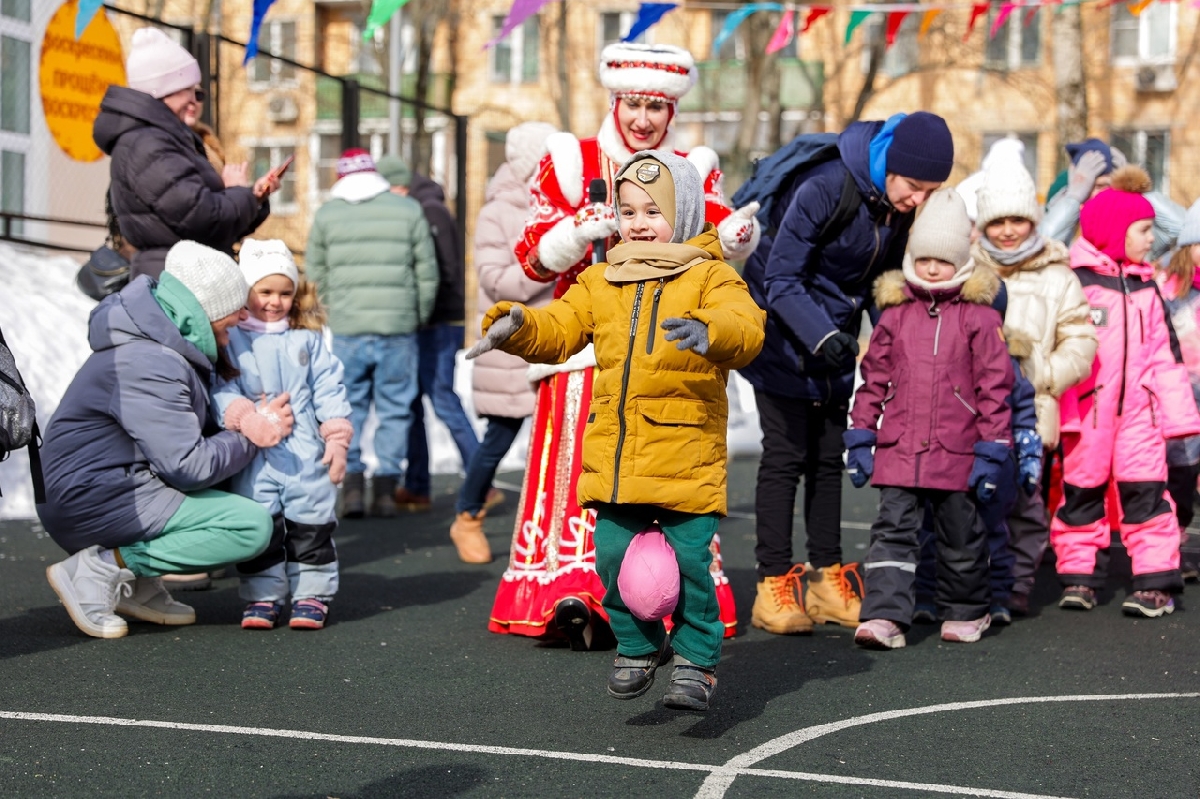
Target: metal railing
[10,221]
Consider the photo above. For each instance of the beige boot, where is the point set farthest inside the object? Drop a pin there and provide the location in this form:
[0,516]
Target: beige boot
[776,608]
[467,535]
[831,597]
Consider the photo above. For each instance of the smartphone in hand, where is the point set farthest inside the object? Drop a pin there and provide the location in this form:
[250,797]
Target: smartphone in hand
[279,170]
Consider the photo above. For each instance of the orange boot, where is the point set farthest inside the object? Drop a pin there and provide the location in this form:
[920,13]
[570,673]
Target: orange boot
[777,608]
[467,535]
[832,597]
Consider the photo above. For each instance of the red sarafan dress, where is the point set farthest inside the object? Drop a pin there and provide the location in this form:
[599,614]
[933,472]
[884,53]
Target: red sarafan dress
[552,554]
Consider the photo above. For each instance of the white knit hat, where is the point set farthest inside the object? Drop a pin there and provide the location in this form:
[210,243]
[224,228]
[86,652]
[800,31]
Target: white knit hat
[654,71]
[265,257]
[214,278]
[942,230]
[1189,232]
[525,145]
[1007,190]
[158,66]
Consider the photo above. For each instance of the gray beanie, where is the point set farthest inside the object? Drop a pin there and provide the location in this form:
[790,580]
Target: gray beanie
[214,278]
[943,230]
[1007,190]
[686,194]
[1189,233]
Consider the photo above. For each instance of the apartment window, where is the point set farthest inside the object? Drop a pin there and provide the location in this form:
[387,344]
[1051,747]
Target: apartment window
[12,185]
[495,150]
[15,9]
[903,56]
[1016,44]
[614,26]
[1149,149]
[733,48]
[263,160]
[329,149]
[1149,36]
[514,59]
[1030,140]
[14,85]
[277,38]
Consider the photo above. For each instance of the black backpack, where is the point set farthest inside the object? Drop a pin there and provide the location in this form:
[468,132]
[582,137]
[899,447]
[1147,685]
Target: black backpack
[18,419]
[777,175]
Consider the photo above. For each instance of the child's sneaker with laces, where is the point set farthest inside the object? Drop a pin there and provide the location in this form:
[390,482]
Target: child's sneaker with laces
[1150,604]
[308,614]
[1078,597]
[966,632]
[692,686]
[879,634]
[261,615]
[632,677]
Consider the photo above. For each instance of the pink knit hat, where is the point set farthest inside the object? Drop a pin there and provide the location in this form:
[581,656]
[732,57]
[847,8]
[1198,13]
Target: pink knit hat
[1105,219]
[158,66]
[355,160]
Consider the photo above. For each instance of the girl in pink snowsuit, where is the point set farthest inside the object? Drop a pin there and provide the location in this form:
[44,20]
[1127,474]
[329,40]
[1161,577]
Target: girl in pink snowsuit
[1116,422]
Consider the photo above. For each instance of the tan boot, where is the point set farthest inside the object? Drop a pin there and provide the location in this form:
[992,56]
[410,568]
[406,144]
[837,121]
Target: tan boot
[831,597]
[776,608]
[467,535]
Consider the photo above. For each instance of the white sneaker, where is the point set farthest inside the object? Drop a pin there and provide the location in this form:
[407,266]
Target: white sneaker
[151,602]
[89,588]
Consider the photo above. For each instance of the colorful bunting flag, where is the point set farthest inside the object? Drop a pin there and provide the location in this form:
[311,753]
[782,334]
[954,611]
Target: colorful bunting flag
[784,33]
[521,10]
[1005,11]
[649,15]
[927,22]
[856,18]
[894,21]
[816,12]
[736,18]
[1137,8]
[381,14]
[83,15]
[260,11]
[977,11]
[1031,16]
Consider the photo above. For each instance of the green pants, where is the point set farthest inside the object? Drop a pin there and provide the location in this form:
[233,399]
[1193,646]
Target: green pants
[697,618]
[211,528]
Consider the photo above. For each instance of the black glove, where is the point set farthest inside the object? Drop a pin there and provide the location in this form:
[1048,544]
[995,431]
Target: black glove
[840,350]
[500,331]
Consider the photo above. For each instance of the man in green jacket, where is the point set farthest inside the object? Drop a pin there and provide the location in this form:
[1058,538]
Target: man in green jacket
[371,256]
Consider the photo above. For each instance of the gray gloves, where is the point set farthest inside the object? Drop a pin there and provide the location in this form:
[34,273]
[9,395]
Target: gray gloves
[1081,177]
[692,334]
[500,331]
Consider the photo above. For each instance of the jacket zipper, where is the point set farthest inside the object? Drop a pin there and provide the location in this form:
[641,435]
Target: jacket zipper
[966,404]
[874,252]
[654,316]
[633,324]
[1125,343]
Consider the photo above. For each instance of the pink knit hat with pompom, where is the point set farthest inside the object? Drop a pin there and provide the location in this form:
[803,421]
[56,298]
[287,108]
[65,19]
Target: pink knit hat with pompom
[1105,219]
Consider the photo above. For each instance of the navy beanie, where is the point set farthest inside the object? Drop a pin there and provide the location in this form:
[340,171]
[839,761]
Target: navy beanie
[1077,150]
[921,148]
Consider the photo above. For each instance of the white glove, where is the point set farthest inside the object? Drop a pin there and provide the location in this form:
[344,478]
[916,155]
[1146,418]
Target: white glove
[595,221]
[739,233]
[565,244]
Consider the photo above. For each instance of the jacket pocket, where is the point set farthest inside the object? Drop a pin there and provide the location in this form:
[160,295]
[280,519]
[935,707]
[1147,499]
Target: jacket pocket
[1152,404]
[669,437]
[600,432]
[957,427]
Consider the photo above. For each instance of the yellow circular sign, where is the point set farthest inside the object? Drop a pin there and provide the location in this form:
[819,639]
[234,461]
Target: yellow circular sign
[73,76]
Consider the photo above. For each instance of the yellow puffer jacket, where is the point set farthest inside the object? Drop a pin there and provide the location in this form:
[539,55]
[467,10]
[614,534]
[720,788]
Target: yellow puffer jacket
[656,429]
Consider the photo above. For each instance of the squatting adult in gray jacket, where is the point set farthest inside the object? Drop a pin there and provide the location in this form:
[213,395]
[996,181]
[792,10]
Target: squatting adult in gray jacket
[131,453]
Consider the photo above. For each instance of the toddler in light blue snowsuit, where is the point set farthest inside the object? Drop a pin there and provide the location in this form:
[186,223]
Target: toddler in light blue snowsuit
[279,349]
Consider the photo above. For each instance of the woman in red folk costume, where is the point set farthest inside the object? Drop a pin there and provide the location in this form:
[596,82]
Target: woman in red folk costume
[551,588]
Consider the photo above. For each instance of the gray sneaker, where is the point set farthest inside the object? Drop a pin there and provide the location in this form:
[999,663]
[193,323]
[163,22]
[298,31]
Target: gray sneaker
[89,588]
[692,686]
[151,602]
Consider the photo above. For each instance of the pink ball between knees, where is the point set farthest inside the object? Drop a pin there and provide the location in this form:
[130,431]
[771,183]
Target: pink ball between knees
[649,577]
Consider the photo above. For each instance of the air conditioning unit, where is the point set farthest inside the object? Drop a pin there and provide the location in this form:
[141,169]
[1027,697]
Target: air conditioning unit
[1155,78]
[282,109]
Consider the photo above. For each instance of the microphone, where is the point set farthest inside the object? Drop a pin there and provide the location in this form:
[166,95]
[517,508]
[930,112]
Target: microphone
[598,193]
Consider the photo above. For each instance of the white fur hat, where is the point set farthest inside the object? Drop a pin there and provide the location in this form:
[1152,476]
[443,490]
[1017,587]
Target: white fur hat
[525,145]
[1007,190]
[214,278]
[265,257]
[659,71]
[158,66]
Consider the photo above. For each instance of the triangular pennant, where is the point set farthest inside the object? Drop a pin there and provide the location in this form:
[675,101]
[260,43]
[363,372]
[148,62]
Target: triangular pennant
[977,11]
[84,14]
[1031,16]
[520,11]
[856,18]
[927,21]
[381,13]
[816,12]
[648,16]
[256,20]
[1006,10]
[737,18]
[784,33]
[1137,8]
[894,21]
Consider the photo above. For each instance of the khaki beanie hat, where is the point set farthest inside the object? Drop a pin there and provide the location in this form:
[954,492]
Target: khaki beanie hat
[942,230]
[214,278]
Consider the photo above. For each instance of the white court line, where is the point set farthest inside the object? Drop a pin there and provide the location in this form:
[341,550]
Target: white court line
[718,782]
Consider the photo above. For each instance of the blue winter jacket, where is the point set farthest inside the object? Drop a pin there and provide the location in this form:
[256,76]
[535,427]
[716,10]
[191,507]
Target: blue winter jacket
[133,433]
[810,292]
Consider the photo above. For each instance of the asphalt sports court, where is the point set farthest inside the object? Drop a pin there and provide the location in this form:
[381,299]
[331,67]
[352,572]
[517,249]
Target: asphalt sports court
[407,694]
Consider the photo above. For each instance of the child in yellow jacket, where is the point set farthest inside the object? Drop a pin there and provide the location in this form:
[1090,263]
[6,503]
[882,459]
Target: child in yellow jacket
[654,446]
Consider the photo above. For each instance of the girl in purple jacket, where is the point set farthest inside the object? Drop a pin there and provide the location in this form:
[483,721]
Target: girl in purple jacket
[938,373]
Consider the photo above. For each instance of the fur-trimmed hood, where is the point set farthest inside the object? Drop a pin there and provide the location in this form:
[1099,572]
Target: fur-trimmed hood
[892,289]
